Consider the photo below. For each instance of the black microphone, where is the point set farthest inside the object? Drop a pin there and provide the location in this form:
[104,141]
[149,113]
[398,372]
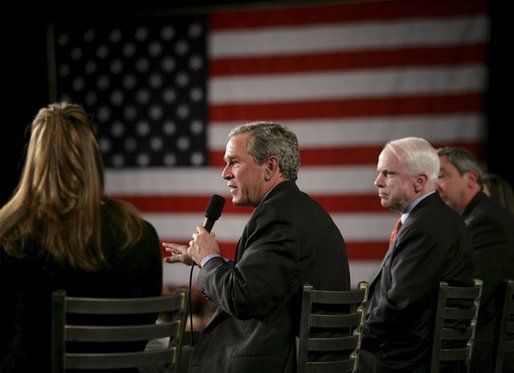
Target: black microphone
[213,211]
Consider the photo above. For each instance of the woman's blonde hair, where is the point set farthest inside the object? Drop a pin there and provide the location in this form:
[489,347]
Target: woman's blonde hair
[57,202]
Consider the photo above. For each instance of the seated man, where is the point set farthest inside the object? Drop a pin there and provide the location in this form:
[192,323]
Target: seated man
[492,239]
[432,245]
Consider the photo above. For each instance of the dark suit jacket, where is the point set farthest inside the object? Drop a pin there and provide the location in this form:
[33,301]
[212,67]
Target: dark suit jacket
[288,241]
[492,239]
[432,246]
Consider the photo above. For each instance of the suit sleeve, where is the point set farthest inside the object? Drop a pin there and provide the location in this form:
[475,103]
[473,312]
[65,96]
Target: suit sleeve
[262,279]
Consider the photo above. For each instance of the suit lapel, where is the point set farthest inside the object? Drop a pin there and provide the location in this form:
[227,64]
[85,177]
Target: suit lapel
[386,257]
[240,245]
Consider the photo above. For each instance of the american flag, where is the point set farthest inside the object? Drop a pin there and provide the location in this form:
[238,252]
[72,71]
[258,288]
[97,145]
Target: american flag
[165,90]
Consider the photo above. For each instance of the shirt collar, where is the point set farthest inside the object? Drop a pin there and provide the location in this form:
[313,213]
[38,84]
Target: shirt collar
[413,204]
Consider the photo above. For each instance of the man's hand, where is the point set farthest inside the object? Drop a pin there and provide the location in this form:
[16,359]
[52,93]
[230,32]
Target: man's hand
[178,253]
[203,244]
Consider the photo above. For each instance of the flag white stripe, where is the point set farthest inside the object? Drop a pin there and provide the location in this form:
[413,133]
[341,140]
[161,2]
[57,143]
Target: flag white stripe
[181,181]
[353,36]
[350,84]
[354,227]
[206,181]
[361,270]
[371,131]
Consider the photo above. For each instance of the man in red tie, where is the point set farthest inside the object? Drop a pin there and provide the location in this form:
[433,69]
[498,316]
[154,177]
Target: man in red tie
[432,245]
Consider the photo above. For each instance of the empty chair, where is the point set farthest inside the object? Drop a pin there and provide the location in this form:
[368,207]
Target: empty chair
[455,325]
[102,333]
[330,329]
[504,335]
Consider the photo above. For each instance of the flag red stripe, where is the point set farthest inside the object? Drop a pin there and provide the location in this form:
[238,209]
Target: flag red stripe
[358,107]
[349,155]
[174,204]
[451,55]
[363,250]
[371,250]
[186,204]
[337,13]
[361,155]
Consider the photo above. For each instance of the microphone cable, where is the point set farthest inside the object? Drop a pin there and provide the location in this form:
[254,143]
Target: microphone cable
[191,339]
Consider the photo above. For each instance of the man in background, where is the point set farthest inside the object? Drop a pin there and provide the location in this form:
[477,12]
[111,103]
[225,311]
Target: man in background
[492,238]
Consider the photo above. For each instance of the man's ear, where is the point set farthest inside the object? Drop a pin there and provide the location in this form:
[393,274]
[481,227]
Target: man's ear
[472,178]
[272,168]
[420,182]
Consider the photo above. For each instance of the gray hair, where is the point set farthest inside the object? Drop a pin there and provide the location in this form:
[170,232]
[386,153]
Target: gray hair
[419,156]
[462,160]
[272,139]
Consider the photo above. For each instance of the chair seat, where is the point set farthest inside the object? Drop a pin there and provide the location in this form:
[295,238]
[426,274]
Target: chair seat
[346,365]
[120,360]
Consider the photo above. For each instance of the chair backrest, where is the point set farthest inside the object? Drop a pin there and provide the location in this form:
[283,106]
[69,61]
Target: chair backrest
[102,333]
[330,329]
[455,324]
[504,334]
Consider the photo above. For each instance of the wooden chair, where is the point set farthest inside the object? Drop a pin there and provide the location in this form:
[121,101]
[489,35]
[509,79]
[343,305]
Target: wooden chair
[455,324]
[330,329]
[93,324]
[504,334]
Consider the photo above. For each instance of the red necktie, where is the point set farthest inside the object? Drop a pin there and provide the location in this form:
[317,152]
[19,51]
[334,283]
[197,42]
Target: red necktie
[395,231]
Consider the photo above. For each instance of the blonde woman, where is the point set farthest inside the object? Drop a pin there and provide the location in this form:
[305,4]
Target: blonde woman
[60,231]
